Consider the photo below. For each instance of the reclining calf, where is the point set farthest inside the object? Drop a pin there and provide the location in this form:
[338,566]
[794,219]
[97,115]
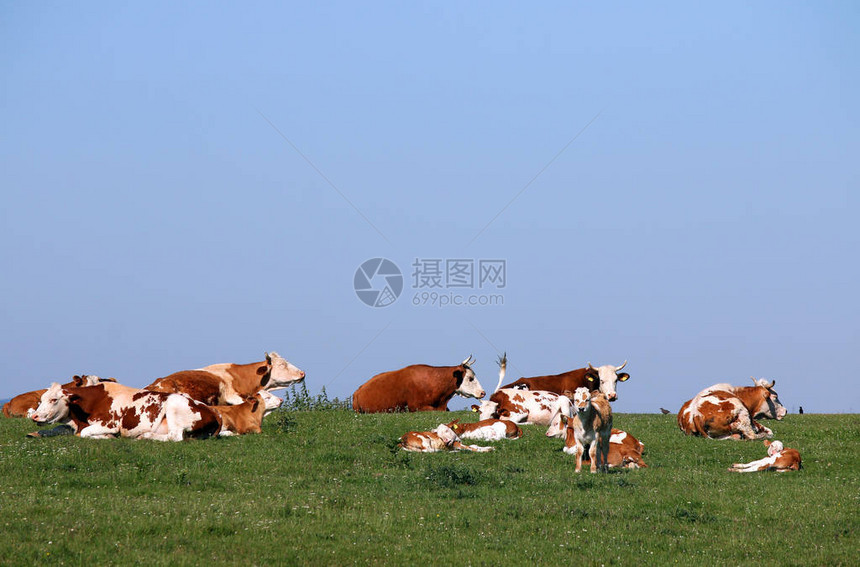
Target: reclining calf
[442,438]
[778,459]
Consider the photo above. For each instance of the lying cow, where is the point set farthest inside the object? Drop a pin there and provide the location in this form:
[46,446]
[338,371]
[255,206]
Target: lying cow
[228,383]
[590,427]
[417,388]
[723,411]
[110,410]
[442,438]
[778,459]
[603,378]
[525,407]
[23,405]
[487,429]
[247,417]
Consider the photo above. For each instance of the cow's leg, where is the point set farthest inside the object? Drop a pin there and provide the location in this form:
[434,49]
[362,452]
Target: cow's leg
[98,431]
[579,450]
[759,465]
[592,455]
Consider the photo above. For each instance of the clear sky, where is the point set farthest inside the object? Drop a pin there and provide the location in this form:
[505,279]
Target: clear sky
[675,185]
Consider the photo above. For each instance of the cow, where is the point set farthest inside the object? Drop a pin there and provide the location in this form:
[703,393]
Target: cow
[110,410]
[487,429]
[591,426]
[228,383]
[525,407]
[778,459]
[417,388]
[442,438]
[247,417]
[23,405]
[723,411]
[602,378]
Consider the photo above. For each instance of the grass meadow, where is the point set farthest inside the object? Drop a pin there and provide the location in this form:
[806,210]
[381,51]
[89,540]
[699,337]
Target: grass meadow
[330,487]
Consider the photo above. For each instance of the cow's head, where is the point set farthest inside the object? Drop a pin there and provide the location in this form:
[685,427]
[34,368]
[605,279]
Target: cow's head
[769,406]
[278,372]
[270,401]
[486,410]
[564,409]
[773,447]
[604,377]
[53,406]
[467,384]
[446,434]
[581,400]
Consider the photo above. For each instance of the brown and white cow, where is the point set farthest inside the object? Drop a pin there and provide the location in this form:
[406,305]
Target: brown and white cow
[590,427]
[109,410]
[603,378]
[723,411]
[487,429]
[23,405]
[442,438]
[228,383]
[247,417]
[417,388]
[778,459]
[525,407]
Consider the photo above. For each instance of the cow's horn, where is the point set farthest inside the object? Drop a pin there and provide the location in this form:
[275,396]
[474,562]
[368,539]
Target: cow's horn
[466,361]
[622,366]
[590,367]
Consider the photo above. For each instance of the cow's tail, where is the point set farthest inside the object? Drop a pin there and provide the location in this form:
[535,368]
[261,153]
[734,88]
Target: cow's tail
[503,364]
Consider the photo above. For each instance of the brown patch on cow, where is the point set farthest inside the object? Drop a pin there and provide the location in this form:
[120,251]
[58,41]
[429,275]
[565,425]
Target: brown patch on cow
[199,385]
[518,398]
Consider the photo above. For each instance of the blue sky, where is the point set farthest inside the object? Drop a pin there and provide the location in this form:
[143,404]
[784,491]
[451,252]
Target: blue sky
[185,184]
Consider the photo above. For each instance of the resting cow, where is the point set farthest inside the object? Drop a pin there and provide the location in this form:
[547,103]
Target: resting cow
[723,411]
[417,388]
[442,438]
[23,405]
[525,407]
[110,410]
[230,384]
[590,427]
[487,429]
[247,417]
[778,459]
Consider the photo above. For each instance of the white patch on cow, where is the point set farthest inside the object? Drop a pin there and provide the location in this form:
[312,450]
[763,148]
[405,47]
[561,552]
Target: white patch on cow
[494,432]
[618,437]
[486,409]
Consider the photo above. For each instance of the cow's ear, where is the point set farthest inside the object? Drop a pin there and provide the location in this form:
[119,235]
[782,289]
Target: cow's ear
[262,370]
[564,419]
[72,397]
[589,377]
[256,404]
[78,380]
[458,375]
[623,377]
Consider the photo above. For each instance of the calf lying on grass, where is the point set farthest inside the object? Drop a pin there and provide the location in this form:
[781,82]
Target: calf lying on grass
[778,459]
[247,417]
[487,429]
[591,426]
[23,405]
[442,438]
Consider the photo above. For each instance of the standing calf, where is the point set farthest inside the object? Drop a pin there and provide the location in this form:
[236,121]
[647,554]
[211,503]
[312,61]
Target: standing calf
[778,459]
[591,426]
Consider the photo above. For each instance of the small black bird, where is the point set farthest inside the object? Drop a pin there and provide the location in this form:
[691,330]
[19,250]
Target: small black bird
[800,410]
[665,411]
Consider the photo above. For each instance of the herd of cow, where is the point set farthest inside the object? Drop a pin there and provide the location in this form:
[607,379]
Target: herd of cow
[232,399]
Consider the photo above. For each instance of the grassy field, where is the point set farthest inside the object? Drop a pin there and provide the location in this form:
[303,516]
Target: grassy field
[329,487]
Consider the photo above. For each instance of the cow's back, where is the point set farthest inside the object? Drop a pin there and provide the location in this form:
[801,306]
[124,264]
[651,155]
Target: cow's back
[556,383]
[411,388]
[199,385]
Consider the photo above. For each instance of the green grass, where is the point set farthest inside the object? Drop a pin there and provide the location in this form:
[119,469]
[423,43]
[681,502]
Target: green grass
[329,487]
